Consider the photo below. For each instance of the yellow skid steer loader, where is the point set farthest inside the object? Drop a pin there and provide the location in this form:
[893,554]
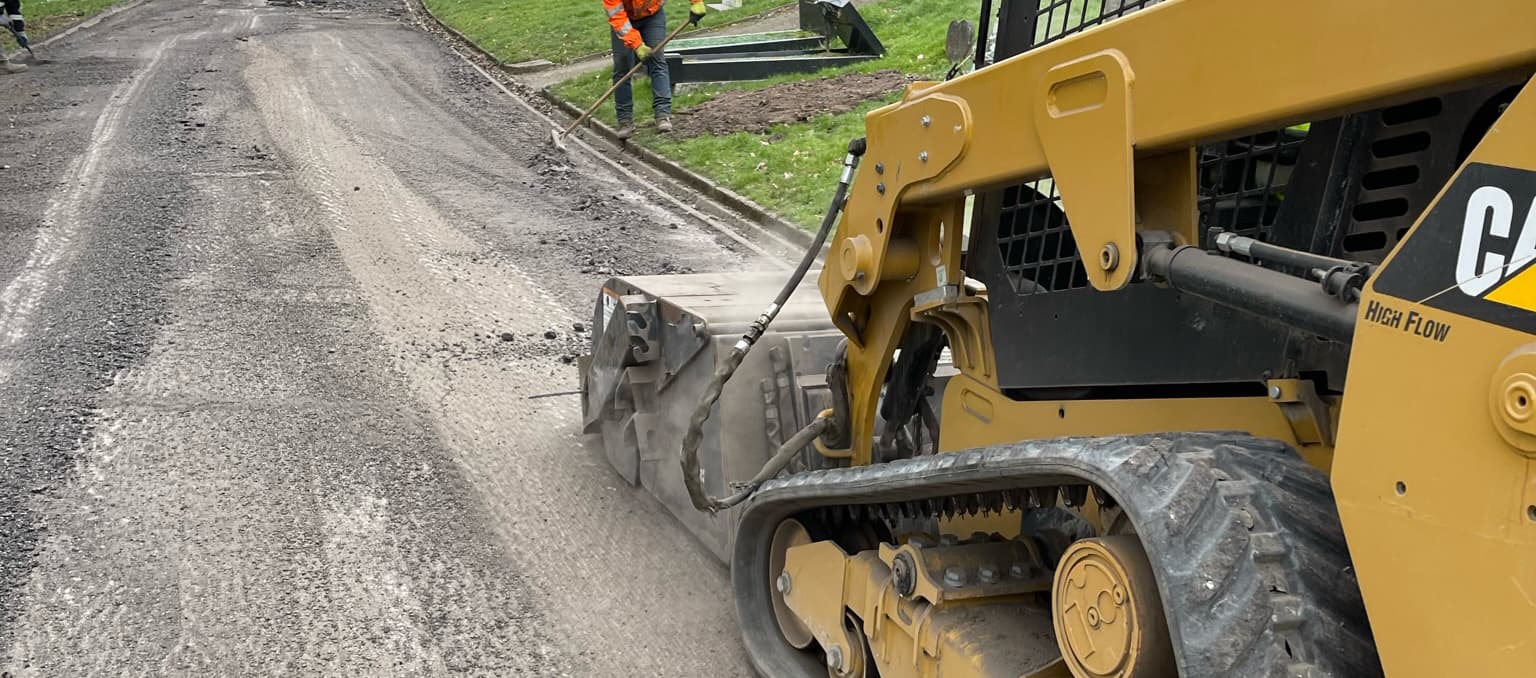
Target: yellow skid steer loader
[1231,371]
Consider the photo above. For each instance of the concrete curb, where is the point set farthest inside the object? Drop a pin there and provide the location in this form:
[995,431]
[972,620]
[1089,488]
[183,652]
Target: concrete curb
[530,66]
[82,24]
[736,201]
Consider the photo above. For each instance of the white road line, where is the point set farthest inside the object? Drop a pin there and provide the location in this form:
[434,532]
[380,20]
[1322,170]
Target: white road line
[62,219]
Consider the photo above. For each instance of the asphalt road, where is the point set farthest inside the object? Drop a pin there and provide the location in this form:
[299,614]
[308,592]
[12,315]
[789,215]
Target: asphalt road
[276,284]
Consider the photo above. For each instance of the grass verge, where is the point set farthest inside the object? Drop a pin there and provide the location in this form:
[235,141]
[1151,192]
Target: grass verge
[557,30]
[792,168]
[46,17]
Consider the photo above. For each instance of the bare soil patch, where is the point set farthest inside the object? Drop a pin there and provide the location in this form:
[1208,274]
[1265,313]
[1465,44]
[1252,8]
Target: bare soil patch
[756,110]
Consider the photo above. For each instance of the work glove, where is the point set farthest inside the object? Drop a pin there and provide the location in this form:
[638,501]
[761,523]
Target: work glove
[643,52]
[696,12]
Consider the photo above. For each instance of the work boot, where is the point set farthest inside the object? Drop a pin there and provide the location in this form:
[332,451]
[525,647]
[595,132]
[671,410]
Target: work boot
[6,66]
[626,129]
[663,123]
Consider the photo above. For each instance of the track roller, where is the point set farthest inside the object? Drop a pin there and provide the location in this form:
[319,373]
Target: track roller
[1108,614]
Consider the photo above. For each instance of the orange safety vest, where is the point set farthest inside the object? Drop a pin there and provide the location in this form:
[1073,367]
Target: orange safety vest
[621,11]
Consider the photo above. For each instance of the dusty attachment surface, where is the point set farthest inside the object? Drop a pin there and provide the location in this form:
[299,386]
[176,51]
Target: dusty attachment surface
[656,345]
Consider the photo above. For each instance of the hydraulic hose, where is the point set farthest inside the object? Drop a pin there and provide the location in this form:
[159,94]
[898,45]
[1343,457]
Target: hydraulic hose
[776,463]
[693,477]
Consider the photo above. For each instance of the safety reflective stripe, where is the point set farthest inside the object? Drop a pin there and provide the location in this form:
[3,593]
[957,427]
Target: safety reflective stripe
[615,10]
[624,30]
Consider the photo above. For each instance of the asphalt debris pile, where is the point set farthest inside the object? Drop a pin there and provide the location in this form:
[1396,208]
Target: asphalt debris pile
[605,253]
[551,164]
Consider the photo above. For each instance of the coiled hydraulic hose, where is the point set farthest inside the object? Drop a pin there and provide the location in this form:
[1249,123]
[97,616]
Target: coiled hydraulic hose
[693,478]
[776,463]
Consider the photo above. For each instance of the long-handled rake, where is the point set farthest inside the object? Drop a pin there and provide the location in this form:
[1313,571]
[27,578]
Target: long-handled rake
[558,136]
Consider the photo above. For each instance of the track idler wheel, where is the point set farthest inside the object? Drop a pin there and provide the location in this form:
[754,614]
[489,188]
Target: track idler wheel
[789,534]
[1108,615]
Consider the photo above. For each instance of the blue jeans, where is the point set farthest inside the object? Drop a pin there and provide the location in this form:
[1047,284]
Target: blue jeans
[653,29]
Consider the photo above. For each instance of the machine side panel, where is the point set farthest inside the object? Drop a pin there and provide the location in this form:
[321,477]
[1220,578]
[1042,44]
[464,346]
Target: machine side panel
[1435,470]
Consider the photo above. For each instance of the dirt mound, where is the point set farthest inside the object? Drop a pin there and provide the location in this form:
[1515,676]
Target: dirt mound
[756,110]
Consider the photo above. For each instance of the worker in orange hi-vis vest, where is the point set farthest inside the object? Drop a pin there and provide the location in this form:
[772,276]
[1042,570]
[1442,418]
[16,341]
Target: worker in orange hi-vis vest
[637,25]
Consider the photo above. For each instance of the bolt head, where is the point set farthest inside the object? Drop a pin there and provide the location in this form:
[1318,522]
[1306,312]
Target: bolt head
[954,576]
[987,574]
[1274,392]
[904,574]
[923,156]
[1018,571]
[927,121]
[784,583]
[880,188]
[1519,398]
[1109,257]
[835,658]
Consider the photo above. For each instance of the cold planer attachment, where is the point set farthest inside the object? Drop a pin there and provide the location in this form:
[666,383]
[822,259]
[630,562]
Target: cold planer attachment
[656,343]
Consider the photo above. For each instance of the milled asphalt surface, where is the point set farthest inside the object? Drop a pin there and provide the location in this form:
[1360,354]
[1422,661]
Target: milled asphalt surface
[276,284]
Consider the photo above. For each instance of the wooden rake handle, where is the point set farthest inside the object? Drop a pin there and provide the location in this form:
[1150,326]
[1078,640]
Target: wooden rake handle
[656,54]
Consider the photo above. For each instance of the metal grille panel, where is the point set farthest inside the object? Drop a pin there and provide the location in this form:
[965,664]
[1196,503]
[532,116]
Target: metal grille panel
[1037,246]
[1057,19]
[1242,181]
[1242,184]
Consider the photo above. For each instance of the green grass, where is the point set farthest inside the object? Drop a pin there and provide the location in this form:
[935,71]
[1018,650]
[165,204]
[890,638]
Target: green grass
[792,169]
[557,30]
[46,17]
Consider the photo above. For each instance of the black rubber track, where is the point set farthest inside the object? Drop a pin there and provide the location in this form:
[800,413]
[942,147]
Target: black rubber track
[1243,534]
